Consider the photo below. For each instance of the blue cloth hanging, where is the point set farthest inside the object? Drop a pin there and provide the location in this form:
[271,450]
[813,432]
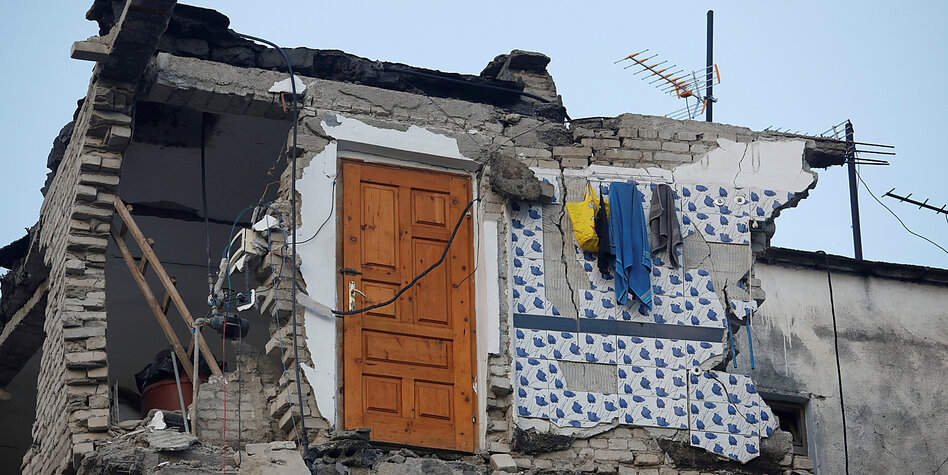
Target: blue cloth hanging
[628,232]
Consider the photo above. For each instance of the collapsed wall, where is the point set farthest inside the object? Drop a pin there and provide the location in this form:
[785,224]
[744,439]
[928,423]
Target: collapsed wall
[525,163]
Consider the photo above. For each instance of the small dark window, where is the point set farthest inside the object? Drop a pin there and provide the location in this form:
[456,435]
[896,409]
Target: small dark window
[792,419]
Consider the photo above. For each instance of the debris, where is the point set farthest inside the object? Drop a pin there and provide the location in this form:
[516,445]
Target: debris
[284,86]
[170,441]
[503,463]
[158,422]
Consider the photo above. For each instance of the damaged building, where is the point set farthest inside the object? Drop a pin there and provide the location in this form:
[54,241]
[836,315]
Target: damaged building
[369,267]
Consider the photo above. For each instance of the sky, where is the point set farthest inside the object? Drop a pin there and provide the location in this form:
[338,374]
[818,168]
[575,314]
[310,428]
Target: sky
[800,66]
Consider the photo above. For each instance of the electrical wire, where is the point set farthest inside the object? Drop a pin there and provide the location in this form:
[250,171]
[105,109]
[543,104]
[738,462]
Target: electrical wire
[839,373]
[332,207]
[207,226]
[897,216]
[294,152]
[419,276]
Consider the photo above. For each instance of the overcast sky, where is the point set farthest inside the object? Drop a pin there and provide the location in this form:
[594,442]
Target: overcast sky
[796,65]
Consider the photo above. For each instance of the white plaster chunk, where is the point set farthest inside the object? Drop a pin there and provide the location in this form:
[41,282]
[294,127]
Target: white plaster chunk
[284,86]
[267,222]
[318,269]
[416,143]
[772,165]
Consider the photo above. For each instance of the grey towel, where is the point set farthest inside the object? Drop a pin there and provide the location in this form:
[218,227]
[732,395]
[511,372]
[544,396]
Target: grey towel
[664,232]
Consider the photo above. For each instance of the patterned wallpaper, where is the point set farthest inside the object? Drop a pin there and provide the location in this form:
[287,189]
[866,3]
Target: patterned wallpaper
[651,358]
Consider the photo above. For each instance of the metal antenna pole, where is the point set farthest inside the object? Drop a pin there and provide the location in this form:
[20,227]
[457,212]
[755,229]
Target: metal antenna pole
[710,78]
[853,190]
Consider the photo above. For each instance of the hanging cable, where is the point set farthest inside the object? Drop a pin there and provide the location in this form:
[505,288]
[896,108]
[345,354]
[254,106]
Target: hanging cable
[419,276]
[293,153]
[332,207]
[897,216]
[839,373]
[207,226]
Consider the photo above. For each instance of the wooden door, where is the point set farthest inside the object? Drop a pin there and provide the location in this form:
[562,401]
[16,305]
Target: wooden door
[408,367]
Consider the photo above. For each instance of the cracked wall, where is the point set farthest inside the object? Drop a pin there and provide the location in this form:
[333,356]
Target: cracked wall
[407,128]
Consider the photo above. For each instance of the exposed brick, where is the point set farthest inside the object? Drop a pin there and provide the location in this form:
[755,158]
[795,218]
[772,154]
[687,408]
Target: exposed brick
[671,157]
[601,143]
[83,332]
[642,144]
[568,152]
[675,146]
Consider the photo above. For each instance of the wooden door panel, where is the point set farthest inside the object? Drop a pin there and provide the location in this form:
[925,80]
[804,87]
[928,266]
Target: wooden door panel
[409,366]
[379,227]
[429,208]
[377,292]
[383,394]
[406,349]
[430,295]
[434,400]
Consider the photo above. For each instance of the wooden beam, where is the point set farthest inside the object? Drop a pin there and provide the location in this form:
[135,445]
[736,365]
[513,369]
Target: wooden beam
[153,303]
[149,254]
[166,302]
[143,264]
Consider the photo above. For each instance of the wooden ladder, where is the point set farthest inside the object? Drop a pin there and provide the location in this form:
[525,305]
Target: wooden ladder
[138,269]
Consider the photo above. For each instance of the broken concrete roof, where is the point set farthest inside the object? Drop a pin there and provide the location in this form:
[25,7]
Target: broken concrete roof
[204,34]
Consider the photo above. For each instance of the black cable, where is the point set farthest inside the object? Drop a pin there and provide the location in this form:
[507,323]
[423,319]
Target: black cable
[332,207]
[293,151]
[207,226]
[897,216]
[839,374]
[419,276]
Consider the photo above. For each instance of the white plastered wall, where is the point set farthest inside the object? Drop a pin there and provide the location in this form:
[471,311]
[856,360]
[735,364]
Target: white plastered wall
[415,147]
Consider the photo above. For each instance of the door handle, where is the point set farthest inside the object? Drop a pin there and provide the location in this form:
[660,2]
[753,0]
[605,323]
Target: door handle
[352,295]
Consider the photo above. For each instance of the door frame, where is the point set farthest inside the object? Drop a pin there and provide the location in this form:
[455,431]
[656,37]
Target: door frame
[341,280]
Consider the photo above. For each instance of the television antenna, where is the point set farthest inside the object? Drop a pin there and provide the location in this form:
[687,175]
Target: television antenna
[682,83]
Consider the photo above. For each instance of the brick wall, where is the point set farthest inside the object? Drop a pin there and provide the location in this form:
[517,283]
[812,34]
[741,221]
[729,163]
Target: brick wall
[73,398]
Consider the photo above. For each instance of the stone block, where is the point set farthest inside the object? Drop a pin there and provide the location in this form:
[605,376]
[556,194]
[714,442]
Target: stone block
[675,147]
[648,459]
[85,359]
[648,133]
[499,447]
[599,443]
[574,152]
[98,373]
[118,136]
[79,333]
[687,136]
[672,157]
[500,385]
[801,462]
[618,444]
[98,424]
[623,154]
[283,445]
[254,449]
[503,463]
[95,343]
[601,143]
[642,144]
[571,162]
[615,455]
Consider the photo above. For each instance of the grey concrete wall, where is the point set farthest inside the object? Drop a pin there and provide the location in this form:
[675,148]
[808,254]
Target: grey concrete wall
[893,338]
